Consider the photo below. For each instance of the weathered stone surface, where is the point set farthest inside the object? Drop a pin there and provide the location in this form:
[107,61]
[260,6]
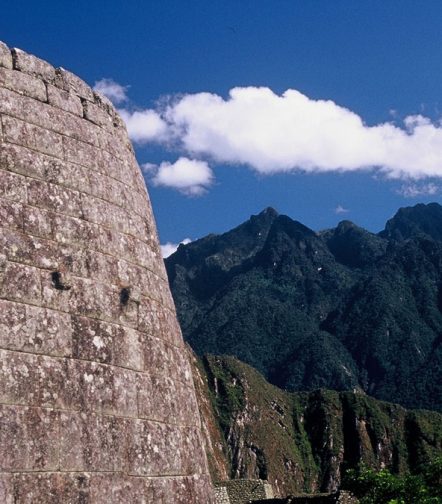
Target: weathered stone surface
[21,283]
[23,84]
[34,137]
[97,403]
[90,442]
[29,439]
[54,197]
[33,329]
[64,100]
[51,488]
[32,65]
[70,82]
[5,56]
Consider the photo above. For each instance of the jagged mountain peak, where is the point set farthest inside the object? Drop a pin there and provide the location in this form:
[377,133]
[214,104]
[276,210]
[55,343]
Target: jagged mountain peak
[343,308]
[419,220]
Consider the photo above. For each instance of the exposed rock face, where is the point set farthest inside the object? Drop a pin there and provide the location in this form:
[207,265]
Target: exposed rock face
[97,403]
[304,441]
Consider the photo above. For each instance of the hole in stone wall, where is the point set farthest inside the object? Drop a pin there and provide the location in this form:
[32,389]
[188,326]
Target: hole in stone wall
[124,295]
[57,281]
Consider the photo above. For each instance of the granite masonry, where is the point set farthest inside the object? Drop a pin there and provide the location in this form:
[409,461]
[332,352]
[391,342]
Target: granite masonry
[242,491]
[97,403]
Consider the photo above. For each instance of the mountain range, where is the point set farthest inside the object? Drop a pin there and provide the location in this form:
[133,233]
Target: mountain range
[342,309]
[303,441]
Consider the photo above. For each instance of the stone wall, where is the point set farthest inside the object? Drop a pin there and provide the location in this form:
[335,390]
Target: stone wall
[340,497]
[242,491]
[97,403]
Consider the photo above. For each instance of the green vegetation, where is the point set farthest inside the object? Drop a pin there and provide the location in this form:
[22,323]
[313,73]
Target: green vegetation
[343,309]
[383,487]
[304,441]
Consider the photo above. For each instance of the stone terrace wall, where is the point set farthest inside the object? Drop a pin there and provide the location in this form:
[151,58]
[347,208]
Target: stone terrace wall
[97,403]
[242,491]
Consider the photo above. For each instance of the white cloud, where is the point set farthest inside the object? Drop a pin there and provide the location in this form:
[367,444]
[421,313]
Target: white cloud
[149,168]
[189,176]
[341,210]
[273,133]
[144,125]
[169,248]
[416,190]
[115,92]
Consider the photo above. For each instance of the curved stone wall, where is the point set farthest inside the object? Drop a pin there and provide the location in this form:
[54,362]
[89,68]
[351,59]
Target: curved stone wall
[97,403]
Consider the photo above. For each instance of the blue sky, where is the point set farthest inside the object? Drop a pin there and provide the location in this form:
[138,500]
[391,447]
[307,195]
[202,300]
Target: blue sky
[357,70]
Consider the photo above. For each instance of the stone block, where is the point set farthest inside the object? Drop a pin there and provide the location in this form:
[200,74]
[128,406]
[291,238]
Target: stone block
[104,389]
[28,135]
[128,348]
[116,168]
[192,443]
[188,412]
[157,398]
[73,84]
[12,187]
[179,366]
[64,100]
[105,214]
[97,115]
[32,65]
[29,250]
[33,329]
[71,230]
[103,268]
[21,283]
[54,197]
[11,103]
[51,488]
[32,380]
[82,153]
[147,257]
[91,442]
[116,489]
[92,339]
[161,490]
[156,320]
[37,222]
[92,299]
[29,439]
[50,332]
[5,56]
[23,84]
[154,449]
[11,215]
[7,489]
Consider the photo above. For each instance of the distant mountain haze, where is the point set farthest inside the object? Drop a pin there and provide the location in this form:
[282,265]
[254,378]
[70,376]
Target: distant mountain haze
[341,309]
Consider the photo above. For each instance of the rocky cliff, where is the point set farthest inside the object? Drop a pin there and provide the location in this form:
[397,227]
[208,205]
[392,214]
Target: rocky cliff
[303,442]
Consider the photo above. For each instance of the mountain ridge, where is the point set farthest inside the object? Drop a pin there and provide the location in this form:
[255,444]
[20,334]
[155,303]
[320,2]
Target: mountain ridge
[343,308]
[303,441]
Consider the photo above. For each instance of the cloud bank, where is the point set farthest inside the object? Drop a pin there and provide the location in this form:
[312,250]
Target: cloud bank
[271,133]
[416,190]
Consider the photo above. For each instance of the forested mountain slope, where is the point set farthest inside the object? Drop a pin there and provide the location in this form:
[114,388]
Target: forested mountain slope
[341,309]
[303,441]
